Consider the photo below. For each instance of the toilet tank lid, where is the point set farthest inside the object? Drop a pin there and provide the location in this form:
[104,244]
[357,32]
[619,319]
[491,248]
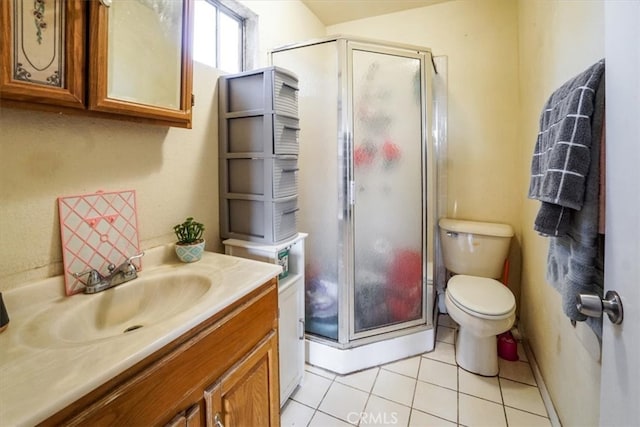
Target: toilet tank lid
[476,227]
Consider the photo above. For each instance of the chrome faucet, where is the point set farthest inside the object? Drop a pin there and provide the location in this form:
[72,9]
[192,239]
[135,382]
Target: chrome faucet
[96,282]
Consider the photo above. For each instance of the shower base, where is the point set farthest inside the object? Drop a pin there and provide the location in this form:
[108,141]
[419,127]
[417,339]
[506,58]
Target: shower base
[347,360]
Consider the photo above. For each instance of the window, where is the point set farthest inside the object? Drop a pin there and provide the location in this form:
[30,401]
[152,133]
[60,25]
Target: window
[224,35]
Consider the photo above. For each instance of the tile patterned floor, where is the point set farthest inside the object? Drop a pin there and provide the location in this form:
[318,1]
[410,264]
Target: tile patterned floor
[425,390]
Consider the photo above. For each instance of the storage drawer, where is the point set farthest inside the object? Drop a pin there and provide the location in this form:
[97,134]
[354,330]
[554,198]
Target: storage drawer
[267,90]
[266,133]
[265,221]
[273,177]
[285,177]
[286,134]
[285,94]
[244,92]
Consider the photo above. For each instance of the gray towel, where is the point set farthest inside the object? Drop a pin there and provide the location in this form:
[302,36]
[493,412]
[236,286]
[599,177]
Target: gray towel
[575,263]
[563,152]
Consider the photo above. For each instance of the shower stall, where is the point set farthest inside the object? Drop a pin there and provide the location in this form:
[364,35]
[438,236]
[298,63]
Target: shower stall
[366,179]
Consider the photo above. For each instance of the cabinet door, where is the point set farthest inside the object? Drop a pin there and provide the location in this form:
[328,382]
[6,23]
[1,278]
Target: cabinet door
[42,51]
[247,395]
[291,335]
[140,63]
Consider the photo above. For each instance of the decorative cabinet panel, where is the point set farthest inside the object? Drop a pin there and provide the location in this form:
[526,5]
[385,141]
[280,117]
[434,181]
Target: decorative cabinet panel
[134,63]
[43,51]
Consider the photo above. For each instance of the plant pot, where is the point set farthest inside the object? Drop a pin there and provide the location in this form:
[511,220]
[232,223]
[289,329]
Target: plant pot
[190,252]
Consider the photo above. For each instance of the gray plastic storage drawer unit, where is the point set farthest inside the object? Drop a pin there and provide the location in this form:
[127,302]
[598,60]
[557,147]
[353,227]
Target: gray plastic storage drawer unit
[262,220]
[272,177]
[268,90]
[262,134]
[259,144]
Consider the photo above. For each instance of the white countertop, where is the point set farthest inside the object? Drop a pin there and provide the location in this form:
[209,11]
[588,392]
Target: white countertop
[41,373]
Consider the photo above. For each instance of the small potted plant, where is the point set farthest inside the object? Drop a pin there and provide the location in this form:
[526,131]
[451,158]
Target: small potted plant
[190,244]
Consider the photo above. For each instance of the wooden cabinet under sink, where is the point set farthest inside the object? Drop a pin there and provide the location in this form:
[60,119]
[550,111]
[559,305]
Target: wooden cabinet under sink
[223,372]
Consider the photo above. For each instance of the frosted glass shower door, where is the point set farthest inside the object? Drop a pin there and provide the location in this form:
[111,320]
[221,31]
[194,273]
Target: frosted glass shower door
[389,188]
[321,181]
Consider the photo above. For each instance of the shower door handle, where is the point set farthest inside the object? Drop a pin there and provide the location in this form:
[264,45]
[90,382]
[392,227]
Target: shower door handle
[592,305]
[352,193]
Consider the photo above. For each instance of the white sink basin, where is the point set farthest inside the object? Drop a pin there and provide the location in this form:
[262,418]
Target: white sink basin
[124,309]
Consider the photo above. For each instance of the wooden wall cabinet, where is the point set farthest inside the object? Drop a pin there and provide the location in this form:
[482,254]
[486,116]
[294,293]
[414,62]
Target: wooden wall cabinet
[42,58]
[133,63]
[223,372]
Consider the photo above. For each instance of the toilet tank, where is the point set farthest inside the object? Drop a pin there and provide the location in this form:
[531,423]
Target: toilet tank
[475,248]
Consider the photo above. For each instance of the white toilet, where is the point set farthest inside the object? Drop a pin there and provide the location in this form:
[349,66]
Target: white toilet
[483,307]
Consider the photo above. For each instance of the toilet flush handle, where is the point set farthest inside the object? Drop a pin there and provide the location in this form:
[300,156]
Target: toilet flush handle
[592,305]
[452,234]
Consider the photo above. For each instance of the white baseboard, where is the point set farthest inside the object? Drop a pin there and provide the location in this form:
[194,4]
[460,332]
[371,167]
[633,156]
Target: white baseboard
[546,398]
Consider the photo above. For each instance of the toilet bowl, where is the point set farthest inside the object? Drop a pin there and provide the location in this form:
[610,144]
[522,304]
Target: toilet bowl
[483,308]
[474,253]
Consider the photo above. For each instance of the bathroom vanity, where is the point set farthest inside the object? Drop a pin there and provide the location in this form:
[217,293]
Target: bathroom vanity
[212,361]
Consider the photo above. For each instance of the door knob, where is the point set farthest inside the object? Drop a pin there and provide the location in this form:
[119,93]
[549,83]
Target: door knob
[592,305]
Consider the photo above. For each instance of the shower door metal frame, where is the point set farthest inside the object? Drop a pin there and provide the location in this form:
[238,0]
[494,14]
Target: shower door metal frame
[347,329]
[345,249]
[346,262]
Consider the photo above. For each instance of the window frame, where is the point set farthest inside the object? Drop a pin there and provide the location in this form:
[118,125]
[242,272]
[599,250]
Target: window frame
[248,29]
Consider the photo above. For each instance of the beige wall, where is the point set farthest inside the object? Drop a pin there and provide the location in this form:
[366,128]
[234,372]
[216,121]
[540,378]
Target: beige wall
[283,22]
[557,40]
[480,39]
[174,171]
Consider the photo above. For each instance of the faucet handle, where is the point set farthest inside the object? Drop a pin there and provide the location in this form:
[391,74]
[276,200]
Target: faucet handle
[131,258]
[127,266]
[94,276]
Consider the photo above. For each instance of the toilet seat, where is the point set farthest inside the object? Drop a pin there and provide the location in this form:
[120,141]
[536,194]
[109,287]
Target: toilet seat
[482,297]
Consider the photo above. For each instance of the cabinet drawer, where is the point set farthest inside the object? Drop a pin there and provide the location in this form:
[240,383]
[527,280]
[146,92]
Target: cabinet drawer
[285,94]
[286,134]
[285,177]
[272,177]
[260,91]
[265,221]
[267,134]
